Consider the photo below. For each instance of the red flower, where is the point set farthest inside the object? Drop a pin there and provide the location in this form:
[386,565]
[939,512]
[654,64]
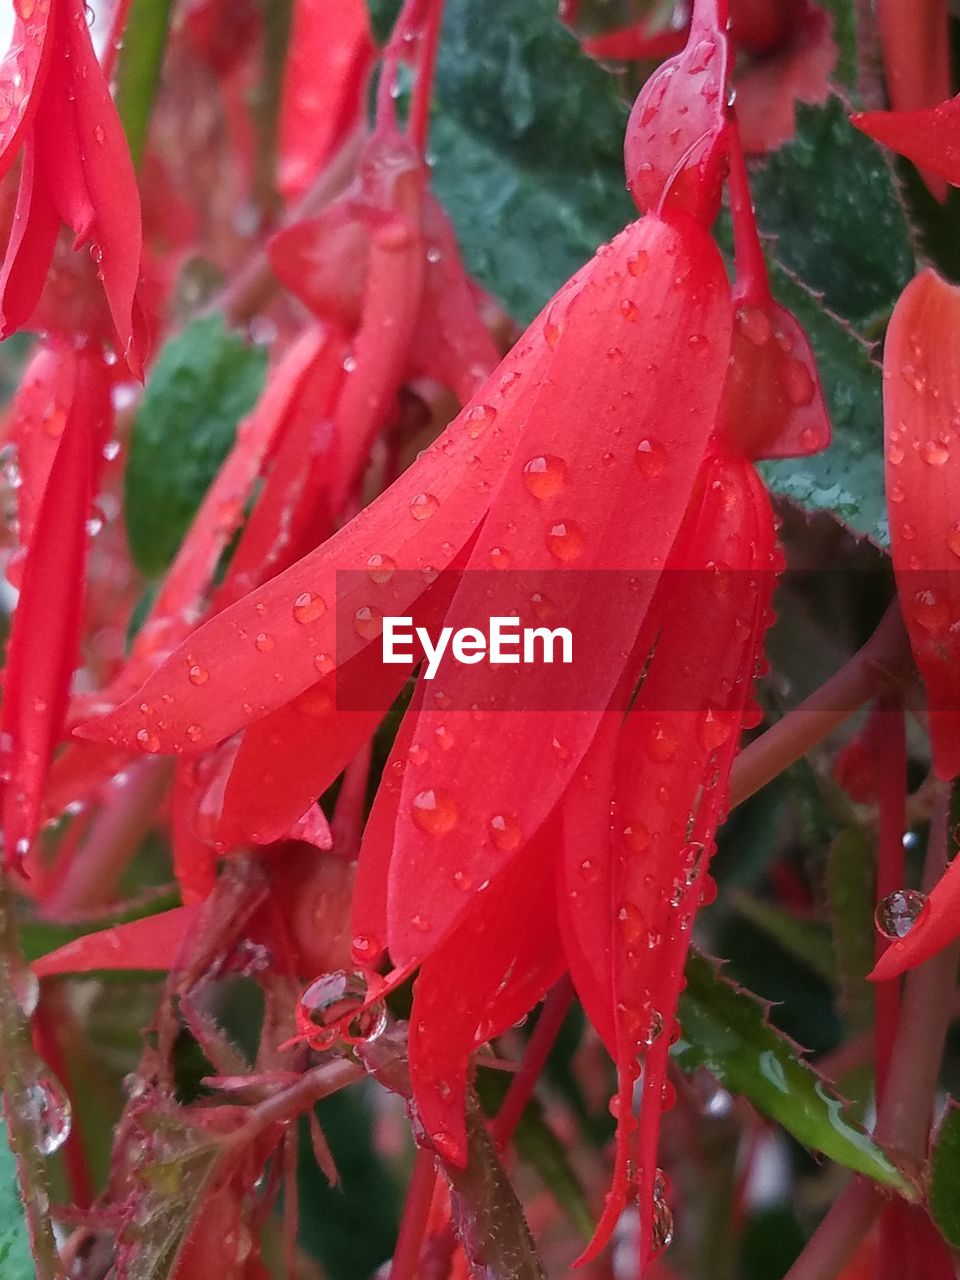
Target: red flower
[76,167]
[921,392]
[929,137]
[506,845]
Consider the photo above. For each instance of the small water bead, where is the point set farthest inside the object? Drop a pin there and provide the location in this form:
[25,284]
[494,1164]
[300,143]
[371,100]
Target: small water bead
[366,948]
[895,455]
[368,622]
[653,1028]
[478,420]
[934,453]
[638,264]
[628,309]
[505,832]
[898,912]
[929,611]
[380,569]
[337,1006]
[651,458]
[636,837]
[797,382]
[434,812]
[691,860]
[445,738]
[953,539]
[544,476]
[754,324]
[264,642]
[308,608]
[323,663]
[147,740]
[499,558]
[662,1225]
[661,742]
[423,506]
[51,1112]
[198,675]
[445,1145]
[564,541]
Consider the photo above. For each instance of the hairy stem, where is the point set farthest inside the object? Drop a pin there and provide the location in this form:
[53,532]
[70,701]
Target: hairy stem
[18,1074]
[882,662]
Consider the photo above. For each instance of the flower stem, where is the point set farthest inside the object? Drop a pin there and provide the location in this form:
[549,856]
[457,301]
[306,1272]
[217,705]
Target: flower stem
[890,756]
[882,662]
[416,1215]
[555,1009]
[18,1071]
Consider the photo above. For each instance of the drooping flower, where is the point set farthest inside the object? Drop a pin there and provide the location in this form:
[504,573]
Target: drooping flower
[922,462]
[76,168]
[610,446]
[930,137]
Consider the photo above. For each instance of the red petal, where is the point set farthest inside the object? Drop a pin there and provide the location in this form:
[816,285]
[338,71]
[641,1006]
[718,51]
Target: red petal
[30,249]
[633,43]
[677,747]
[501,961]
[930,138]
[921,389]
[459,471]
[23,72]
[154,942]
[45,635]
[599,337]
[331,53]
[676,136]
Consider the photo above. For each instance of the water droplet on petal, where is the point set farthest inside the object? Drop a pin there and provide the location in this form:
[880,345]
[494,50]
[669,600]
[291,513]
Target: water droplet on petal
[478,419]
[662,1224]
[368,622]
[797,382]
[898,912]
[499,558]
[544,476]
[445,1145]
[308,608]
[934,453]
[198,675]
[930,612]
[505,832]
[380,569]
[423,506]
[264,642]
[754,324]
[651,457]
[434,812]
[661,741]
[149,741]
[564,541]
[953,539]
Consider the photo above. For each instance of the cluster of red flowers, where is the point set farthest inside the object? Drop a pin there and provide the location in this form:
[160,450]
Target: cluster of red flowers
[504,849]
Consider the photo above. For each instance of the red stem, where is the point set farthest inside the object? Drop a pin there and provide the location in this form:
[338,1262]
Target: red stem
[752,279]
[416,1215]
[419,119]
[551,1019]
[117,26]
[890,755]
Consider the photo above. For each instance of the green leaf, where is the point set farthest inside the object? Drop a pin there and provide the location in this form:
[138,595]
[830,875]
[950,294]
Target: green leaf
[487,1213]
[807,940]
[945,1178]
[138,68]
[204,381]
[847,479]
[726,1030]
[829,198]
[174,1187]
[15,1260]
[851,875]
[527,139]
[845,35]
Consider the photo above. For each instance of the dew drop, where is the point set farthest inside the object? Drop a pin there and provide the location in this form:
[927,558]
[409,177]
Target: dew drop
[505,832]
[564,541]
[797,382]
[714,729]
[628,309]
[308,608]
[323,663]
[336,1006]
[544,476]
[898,912]
[636,837]
[662,1224]
[149,741]
[661,742]
[934,453]
[638,264]
[446,1146]
[478,420]
[499,558]
[51,1112]
[423,506]
[264,642]
[651,457]
[198,675]
[930,612]
[434,812]
[380,569]
[368,622]
[953,539]
[754,324]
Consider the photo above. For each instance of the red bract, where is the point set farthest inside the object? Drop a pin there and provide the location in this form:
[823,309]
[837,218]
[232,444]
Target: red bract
[76,169]
[60,423]
[921,391]
[930,138]
[319,111]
